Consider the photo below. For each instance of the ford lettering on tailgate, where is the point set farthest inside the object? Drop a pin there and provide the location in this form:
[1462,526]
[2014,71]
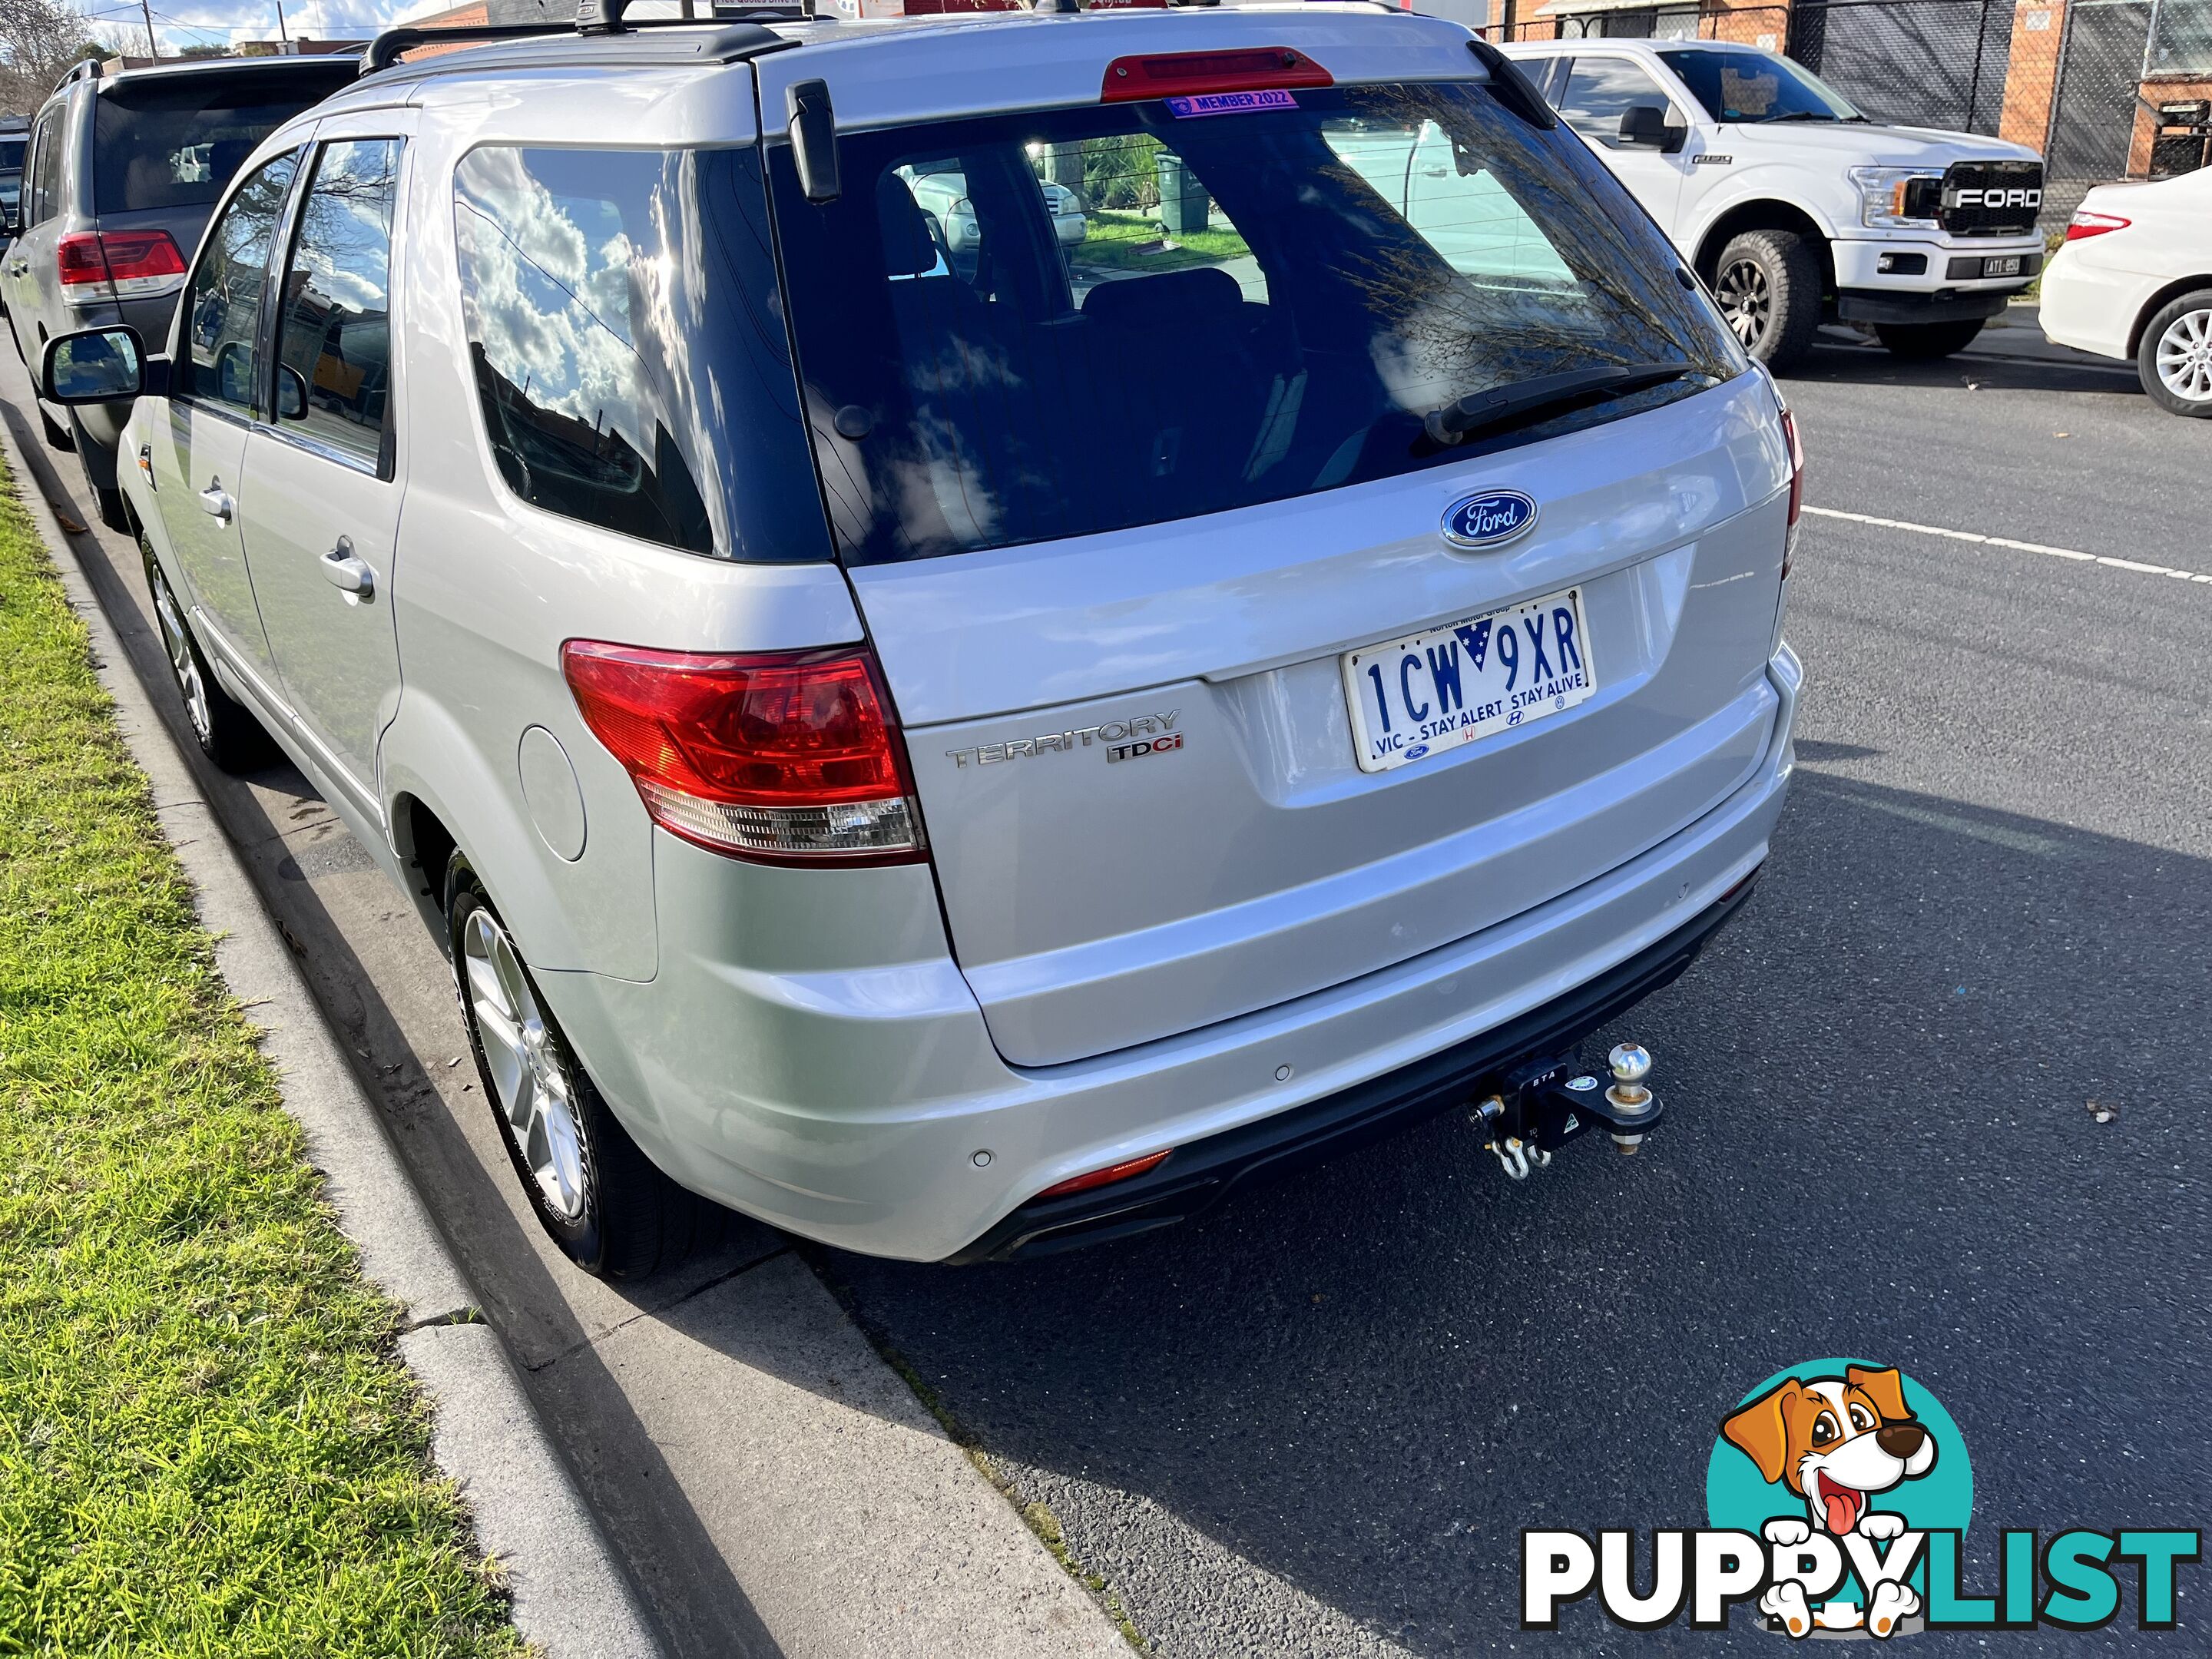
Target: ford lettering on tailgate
[1432,691]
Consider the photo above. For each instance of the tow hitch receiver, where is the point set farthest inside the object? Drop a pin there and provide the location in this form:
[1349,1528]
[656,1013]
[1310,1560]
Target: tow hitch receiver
[1539,1107]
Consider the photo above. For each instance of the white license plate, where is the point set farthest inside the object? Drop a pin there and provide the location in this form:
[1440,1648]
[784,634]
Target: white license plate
[2001,265]
[1429,692]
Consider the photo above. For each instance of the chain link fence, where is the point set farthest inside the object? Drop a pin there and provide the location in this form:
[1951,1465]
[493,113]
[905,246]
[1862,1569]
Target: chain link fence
[2104,88]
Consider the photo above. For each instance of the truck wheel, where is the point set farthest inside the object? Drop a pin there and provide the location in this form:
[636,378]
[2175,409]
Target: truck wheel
[2175,358]
[1923,342]
[1768,284]
[599,1198]
[227,733]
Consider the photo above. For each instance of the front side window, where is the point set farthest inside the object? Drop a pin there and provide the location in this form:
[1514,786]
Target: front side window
[1024,327]
[627,345]
[1600,90]
[334,351]
[1749,85]
[222,308]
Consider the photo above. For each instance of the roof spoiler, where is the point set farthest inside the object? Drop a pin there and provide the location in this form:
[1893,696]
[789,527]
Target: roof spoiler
[1510,88]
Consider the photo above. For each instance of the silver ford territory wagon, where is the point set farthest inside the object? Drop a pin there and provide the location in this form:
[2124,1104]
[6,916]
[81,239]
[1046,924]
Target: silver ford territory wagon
[952,730]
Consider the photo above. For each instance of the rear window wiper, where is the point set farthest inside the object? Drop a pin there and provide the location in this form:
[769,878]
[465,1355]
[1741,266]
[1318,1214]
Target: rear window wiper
[1457,420]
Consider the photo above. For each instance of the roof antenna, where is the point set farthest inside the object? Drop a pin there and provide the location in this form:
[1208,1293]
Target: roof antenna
[600,16]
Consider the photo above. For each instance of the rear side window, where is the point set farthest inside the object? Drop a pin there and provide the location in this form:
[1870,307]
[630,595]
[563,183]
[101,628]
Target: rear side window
[46,167]
[222,308]
[176,142]
[628,349]
[12,155]
[337,333]
[1031,326]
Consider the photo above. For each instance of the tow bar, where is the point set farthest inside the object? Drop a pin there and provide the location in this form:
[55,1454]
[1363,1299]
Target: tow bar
[1540,1107]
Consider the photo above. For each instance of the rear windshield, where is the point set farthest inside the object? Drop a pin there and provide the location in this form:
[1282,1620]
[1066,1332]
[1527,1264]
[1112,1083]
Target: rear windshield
[12,155]
[167,142]
[1032,326]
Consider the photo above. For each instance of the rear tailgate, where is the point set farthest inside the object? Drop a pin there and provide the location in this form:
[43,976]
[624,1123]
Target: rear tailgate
[1097,904]
[1115,515]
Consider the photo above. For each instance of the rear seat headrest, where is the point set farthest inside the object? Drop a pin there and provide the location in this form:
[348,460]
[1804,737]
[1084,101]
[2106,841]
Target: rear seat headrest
[1205,295]
[908,248]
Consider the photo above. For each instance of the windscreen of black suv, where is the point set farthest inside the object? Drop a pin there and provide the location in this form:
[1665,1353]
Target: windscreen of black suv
[1039,326]
[175,140]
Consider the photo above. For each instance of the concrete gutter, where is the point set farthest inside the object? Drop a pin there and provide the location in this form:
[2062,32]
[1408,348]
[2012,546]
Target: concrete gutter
[569,1596]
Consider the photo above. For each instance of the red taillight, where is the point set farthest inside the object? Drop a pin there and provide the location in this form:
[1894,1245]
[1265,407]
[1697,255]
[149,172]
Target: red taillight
[790,758]
[1797,489]
[1107,1176]
[130,262]
[2085,224]
[1193,73]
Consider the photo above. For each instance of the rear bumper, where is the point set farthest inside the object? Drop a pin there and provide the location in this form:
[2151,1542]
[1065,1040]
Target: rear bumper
[865,1106]
[1195,1178]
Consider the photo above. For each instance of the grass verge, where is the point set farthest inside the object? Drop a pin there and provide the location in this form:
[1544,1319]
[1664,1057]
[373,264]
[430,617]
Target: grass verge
[207,1444]
[1114,240]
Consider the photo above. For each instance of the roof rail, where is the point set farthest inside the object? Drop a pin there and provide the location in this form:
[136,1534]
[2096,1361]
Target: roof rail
[85,69]
[594,18]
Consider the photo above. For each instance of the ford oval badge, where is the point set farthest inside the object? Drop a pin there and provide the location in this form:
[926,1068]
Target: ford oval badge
[1491,519]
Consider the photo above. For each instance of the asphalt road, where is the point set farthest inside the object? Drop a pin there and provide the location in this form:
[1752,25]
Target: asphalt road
[1316,1422]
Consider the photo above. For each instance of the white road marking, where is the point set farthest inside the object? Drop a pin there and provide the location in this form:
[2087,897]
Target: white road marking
[2075,555]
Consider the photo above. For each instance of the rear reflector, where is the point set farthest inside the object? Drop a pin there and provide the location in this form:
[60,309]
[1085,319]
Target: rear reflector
[1107,1176]
[1796,490]
[126,263]
[1189,73]
[791,758]
[2085,224]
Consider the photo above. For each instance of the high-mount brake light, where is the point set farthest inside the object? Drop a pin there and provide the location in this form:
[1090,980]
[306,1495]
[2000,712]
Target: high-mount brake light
[2085,224]
[785,758]
[126,264]
[1107,1176]
[1192,74]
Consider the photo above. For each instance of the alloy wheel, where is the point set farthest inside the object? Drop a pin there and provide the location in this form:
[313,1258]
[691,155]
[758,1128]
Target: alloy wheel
[528,1067]
[2184,356]
[1747,299]
[183,661]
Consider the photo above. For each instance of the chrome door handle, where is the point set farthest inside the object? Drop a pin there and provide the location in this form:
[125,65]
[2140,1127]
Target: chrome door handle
[217,501]
[343,570]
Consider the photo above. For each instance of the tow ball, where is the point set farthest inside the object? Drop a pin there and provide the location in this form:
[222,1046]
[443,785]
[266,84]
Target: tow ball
[1537,1108]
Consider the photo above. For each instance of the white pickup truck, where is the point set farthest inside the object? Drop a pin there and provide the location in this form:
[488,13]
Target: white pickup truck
[1792,205]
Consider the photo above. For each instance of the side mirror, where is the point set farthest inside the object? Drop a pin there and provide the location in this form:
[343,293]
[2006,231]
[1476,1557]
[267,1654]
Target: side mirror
[291,393]
[1644,127]
[98,366]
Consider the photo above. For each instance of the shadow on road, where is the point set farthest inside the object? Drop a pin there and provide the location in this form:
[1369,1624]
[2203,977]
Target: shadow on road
[1368,1379]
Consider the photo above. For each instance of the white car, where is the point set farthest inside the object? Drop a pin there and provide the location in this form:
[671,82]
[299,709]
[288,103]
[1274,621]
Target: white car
[1792,205]
[944,195]
[2135,281]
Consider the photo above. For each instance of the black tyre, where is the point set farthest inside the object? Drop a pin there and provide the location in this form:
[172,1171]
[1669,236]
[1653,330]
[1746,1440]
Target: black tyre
[58,435]
[1768,285]
[228,734]
[1923,342]
[599,1198]
[2175,357]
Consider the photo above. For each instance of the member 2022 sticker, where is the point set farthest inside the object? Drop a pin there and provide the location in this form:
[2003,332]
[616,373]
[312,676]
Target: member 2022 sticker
[1230,103]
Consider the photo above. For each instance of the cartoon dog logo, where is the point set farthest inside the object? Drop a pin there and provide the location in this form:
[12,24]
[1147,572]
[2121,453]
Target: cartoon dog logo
[1835,1443]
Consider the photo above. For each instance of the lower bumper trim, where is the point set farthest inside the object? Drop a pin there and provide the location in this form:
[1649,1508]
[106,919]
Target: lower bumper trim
[1859,305]
[1199,1175]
